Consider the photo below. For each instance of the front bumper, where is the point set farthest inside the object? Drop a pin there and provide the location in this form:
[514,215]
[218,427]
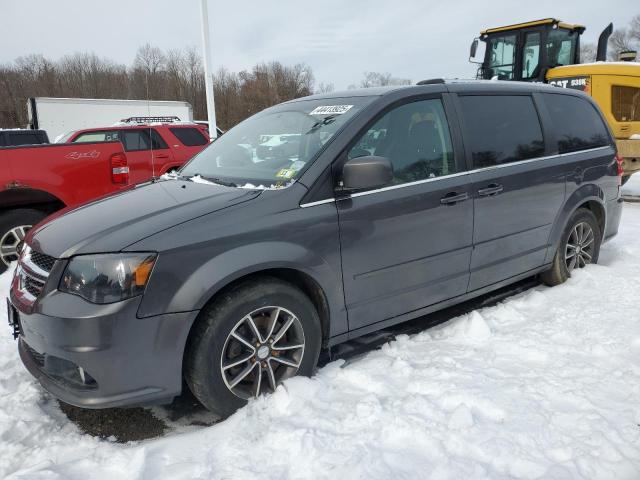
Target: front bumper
[100,356]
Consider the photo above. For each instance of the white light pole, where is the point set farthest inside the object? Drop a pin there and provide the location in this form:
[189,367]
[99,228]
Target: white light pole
[206,47]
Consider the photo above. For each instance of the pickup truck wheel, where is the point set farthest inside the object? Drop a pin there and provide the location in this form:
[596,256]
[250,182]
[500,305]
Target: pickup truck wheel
[579,246]
[250,340]
[14,225]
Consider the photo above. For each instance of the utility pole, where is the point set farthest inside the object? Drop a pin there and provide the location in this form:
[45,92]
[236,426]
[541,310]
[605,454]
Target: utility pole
[206,47]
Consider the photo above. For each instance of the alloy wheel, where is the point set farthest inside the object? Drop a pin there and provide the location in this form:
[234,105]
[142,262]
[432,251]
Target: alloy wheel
[10,243]
[580,246]
[263,349]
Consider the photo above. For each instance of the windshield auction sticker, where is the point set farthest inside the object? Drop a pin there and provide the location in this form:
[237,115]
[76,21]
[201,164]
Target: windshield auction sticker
[331,110]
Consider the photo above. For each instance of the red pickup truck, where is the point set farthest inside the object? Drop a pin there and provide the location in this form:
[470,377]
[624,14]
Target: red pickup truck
[36,181]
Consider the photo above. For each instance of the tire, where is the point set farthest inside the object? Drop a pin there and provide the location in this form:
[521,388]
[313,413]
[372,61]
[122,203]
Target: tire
[211,345]
[563,261]
[14,224]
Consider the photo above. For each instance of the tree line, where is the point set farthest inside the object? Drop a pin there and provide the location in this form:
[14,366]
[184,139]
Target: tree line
[154,75]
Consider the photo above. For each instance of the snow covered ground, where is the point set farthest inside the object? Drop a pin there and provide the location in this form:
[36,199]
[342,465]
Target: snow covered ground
[544,385]
[632,187]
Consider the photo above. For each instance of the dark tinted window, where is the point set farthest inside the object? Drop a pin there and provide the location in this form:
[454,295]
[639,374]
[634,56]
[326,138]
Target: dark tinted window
[24,139]
[415,138]
[135,140]
[501,129]
[190,137]
[576,123]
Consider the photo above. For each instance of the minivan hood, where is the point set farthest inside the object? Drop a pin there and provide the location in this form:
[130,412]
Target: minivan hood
[113,223]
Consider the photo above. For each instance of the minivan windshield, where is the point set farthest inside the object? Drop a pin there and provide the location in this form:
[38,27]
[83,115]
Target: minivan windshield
[271,149]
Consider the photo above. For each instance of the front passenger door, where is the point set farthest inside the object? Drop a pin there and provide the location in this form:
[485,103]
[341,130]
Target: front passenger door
[407,245]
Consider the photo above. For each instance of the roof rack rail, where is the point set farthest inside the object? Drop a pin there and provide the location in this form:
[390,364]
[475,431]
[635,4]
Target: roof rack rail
[169,119]
[431,81]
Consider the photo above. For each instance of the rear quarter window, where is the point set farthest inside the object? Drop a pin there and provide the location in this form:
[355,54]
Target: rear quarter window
[576,123]
[190,137]
[501,129]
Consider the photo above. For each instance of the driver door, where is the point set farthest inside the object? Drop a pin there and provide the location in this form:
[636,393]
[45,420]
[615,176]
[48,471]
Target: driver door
[408,245]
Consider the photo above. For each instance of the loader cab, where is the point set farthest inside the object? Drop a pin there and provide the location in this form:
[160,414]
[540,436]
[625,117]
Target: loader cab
[526,51]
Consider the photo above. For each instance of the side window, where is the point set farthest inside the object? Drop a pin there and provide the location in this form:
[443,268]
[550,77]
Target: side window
[625,103]
[531,55]
[414,137]
[97,137]
[136,140]
[502,57]
[501,129]
[576,123]
[90,137]
[191,137]
[561,47]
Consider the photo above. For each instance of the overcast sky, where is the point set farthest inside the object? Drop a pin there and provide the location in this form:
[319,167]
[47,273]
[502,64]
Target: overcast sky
[339,39]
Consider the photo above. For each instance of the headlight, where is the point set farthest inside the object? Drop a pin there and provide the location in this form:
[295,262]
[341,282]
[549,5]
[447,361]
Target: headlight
[108,278]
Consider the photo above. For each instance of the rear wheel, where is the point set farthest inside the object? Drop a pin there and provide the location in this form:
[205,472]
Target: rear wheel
[579,246]
[14,225]
[250,340]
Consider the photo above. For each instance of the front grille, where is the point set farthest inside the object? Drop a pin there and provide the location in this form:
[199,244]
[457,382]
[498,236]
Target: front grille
[33,270]
[32,285]
[45,262]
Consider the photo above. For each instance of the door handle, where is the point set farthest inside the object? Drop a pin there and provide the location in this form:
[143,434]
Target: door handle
[162,155]
[452,198]
[491,190]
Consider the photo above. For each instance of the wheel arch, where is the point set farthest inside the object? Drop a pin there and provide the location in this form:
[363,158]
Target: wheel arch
[296,277]
[590,197]
[30,198]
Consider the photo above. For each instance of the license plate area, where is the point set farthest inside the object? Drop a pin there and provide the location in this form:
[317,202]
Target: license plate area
[13,317]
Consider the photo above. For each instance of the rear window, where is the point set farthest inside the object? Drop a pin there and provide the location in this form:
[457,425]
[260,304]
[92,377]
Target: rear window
[576,123]
[625,103]
[501,129]
[191,137]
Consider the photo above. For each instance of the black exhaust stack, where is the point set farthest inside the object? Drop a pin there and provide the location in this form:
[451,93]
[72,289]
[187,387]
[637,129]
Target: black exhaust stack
[603,40]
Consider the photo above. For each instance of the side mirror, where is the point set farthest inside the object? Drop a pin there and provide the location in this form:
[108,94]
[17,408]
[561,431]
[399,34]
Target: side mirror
[367,172]
[474,48]
[473,51]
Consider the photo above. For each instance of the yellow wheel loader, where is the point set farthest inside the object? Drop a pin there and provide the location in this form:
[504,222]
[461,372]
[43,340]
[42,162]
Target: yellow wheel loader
[548,51]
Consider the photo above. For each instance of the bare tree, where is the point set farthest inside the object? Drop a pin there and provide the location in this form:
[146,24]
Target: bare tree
[587,52]
[156,75]
[377,79]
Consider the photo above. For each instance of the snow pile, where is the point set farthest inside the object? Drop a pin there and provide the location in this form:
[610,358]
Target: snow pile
[544,385]
[632,187]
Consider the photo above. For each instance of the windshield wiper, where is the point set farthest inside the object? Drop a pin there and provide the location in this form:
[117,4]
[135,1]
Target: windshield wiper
[219,181]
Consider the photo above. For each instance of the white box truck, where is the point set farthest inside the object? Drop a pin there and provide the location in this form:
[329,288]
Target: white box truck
[62,115]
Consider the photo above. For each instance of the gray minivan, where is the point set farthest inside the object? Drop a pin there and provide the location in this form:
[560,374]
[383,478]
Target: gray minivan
[311,223]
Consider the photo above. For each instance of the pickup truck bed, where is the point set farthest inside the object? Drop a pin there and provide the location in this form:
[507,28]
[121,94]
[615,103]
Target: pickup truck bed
[38,180]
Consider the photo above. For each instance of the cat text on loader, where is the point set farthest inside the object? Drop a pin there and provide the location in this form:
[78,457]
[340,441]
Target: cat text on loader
[549,51]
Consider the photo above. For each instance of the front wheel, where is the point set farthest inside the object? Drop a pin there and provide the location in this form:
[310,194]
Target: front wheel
[14,225]
[250,340]
[579,246]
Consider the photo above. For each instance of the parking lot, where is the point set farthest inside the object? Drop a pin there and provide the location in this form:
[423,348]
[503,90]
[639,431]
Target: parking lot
[543,384]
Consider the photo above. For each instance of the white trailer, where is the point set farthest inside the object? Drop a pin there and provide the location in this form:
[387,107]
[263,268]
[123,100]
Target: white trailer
[62,115]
